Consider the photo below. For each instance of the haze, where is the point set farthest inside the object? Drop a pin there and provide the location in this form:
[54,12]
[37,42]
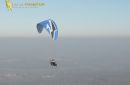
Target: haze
[81,61]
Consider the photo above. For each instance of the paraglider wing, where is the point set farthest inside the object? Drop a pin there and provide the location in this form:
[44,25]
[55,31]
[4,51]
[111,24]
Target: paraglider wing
[50,26]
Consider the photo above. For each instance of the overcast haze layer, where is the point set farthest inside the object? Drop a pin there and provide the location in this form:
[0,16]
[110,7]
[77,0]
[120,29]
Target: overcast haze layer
[81,61]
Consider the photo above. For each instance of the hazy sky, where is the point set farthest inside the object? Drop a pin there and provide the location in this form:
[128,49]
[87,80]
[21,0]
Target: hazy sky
[73,18]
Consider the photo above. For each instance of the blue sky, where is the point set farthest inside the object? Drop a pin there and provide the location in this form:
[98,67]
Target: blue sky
[73,18]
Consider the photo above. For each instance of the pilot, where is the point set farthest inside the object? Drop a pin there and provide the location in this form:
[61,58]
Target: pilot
[53,63]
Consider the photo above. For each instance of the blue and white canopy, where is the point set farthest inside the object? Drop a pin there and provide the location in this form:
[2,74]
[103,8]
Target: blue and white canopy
[50,26]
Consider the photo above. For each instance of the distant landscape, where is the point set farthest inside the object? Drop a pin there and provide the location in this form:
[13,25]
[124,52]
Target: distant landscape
[81,61]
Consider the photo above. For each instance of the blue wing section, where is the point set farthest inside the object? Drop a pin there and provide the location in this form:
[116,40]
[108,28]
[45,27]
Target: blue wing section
[56,31]
[44,24]
[39,28]
[50,26]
